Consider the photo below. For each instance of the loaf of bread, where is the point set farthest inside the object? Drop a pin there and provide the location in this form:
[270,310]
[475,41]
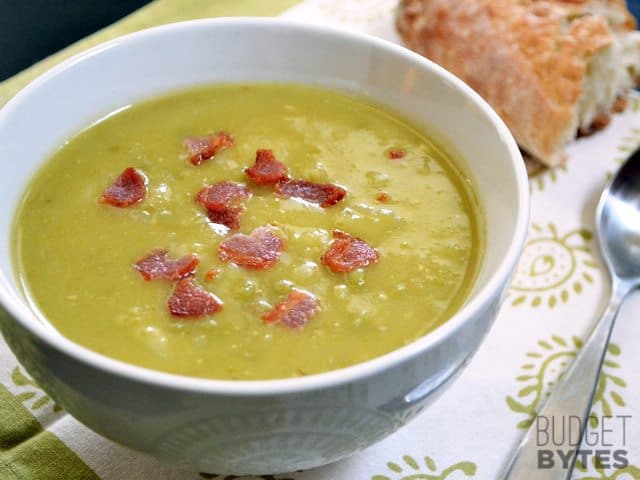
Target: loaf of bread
[552,69]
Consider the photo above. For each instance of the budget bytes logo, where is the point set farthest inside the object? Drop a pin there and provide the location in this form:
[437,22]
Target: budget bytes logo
[558,441]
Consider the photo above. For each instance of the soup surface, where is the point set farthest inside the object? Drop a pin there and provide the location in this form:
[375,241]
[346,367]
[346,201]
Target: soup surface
[414,212]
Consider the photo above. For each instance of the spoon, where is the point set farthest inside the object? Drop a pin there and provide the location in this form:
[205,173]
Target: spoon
[618,233]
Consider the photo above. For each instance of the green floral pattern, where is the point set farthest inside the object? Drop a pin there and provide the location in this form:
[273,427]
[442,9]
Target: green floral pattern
[32,391]
[632,141]
[411,469]
[628,145]
[538,181]
[546,365]
[553,267]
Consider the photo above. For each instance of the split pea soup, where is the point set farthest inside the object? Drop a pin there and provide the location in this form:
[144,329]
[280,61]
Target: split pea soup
[248,232]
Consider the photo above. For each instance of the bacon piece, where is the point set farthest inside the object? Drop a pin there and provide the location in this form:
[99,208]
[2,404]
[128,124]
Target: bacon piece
[323,194]
[211,275]
[203,148]
[396,154]
[128,189]
[223,195]
[294,312]
[229,217]
[348,253]
[383,197]
[224,202]
[257,251]
[158,265]
[267,170]
[188,300]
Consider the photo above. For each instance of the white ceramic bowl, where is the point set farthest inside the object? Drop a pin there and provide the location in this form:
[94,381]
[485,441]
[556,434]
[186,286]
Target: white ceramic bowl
[258,426]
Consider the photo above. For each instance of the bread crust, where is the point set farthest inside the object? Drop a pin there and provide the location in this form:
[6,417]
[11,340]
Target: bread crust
[527,58]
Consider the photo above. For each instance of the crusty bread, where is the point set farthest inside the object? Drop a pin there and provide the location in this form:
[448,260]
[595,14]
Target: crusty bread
[550,68]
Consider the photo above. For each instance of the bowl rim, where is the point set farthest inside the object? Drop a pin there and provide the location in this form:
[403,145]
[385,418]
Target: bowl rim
[21,313]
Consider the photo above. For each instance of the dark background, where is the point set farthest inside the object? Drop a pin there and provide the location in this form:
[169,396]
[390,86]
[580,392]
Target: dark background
[33,29]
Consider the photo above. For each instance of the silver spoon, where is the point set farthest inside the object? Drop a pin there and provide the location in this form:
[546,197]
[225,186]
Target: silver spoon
[618,232]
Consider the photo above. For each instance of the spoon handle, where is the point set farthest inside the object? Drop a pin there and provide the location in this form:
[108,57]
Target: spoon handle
[570,400]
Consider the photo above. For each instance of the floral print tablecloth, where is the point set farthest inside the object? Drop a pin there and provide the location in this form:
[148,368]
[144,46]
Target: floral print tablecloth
[557,294]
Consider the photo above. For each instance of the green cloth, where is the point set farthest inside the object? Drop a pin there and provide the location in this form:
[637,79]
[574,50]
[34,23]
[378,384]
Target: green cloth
[27,451]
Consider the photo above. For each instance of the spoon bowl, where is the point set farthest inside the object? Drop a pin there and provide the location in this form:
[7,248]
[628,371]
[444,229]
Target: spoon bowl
[618,224]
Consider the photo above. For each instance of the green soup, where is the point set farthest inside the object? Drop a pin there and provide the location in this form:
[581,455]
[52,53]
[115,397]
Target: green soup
[74,255]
